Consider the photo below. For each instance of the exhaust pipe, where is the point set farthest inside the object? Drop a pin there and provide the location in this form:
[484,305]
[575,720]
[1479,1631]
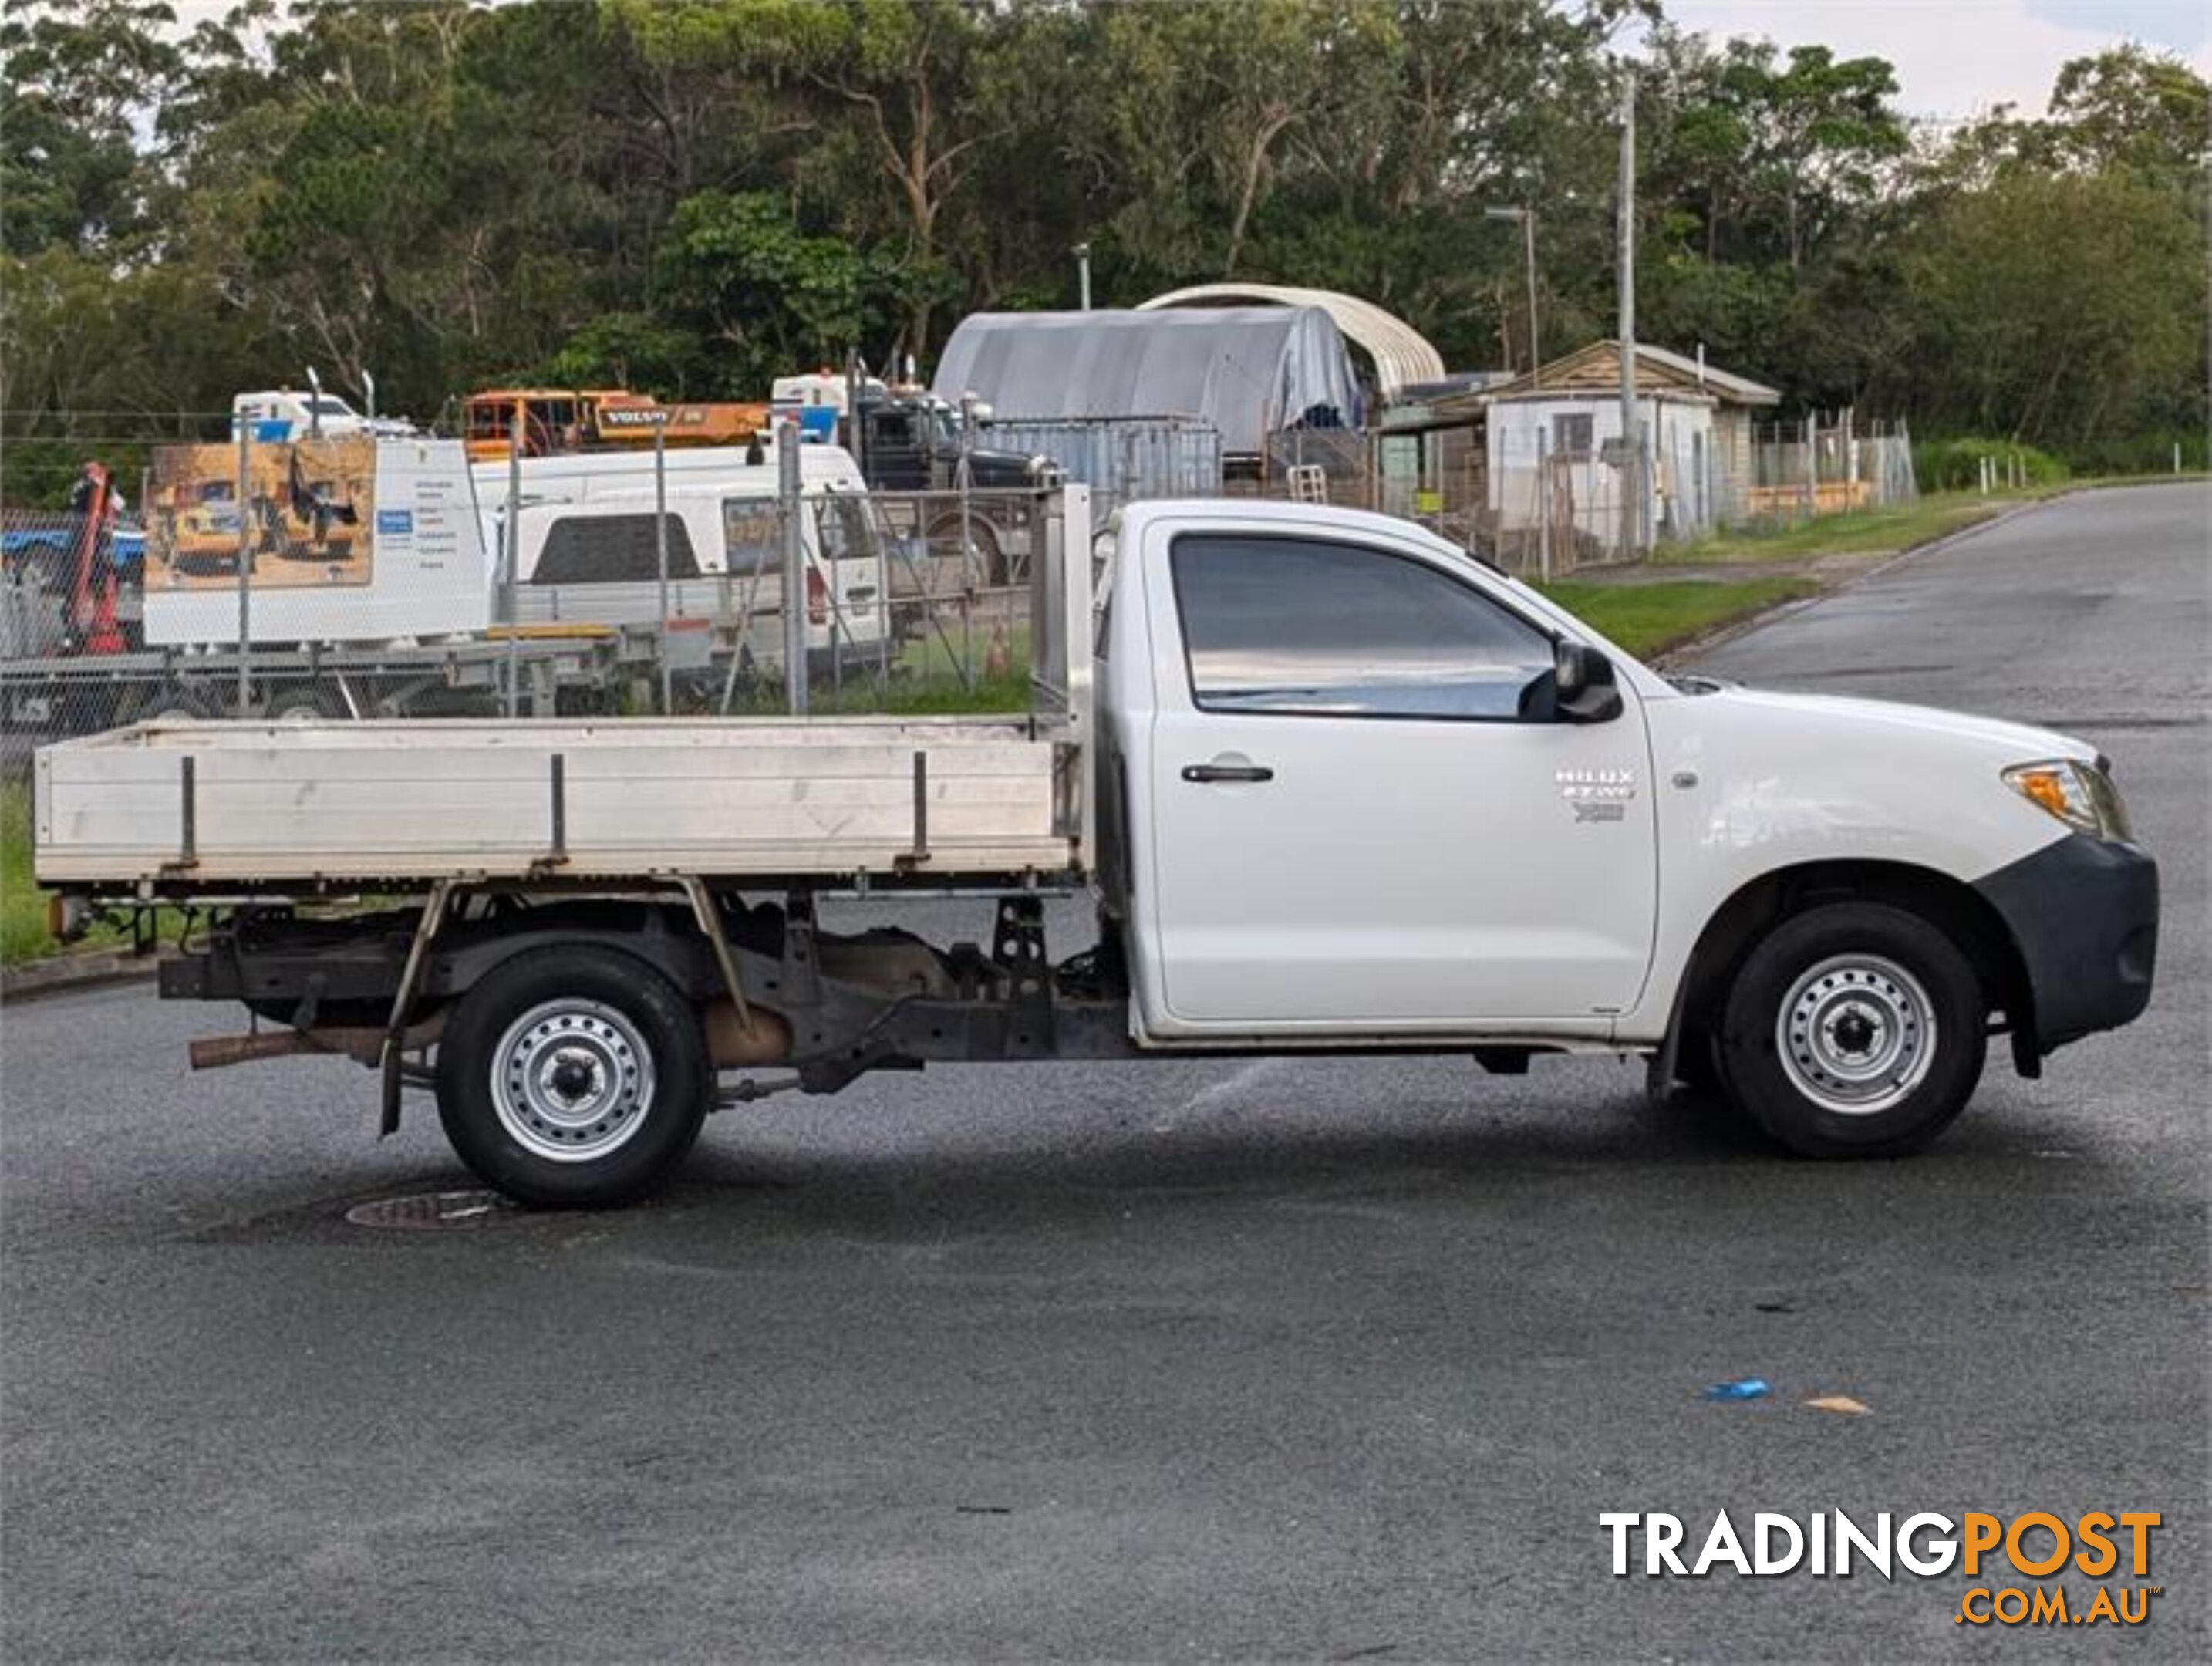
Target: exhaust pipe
[734,1045]
[363,1044]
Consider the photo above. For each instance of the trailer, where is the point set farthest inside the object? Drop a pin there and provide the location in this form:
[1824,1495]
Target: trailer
[1331,787]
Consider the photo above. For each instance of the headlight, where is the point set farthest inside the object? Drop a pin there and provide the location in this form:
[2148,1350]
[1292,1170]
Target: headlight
[2079,794]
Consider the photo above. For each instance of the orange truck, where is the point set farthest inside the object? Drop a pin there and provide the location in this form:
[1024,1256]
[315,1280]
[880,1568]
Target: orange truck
[554,421]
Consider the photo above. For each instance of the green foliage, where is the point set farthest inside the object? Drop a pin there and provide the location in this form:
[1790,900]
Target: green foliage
[2149,453]
[693,196]
[1951,465]
[769,296]
[2058,309]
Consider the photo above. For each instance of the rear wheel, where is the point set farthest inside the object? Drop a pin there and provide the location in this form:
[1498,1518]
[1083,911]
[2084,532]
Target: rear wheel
[574,1075]
[1854,1030]
[168,702]
[992,569]
[302,706]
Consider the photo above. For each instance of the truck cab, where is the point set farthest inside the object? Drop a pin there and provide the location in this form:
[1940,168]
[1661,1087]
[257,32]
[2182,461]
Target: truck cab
[1365,788]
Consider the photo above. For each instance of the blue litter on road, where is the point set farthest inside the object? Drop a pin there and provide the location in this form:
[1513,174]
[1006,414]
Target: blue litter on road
[1744,1388]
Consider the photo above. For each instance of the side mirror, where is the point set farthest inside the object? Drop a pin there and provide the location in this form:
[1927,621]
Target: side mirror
[1583,691]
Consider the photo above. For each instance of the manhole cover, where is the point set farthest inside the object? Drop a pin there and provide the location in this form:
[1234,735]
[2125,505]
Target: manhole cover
[424,1212]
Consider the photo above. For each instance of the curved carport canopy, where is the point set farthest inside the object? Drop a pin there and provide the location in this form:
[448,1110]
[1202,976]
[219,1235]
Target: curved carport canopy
[1403,358]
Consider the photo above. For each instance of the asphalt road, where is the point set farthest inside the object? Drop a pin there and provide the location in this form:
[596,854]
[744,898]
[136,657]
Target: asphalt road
[1325,1360]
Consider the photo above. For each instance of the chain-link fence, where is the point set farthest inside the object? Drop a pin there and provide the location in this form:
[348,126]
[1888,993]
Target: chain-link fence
[327,579]
[1122,460]
[1826,465]
[351,575]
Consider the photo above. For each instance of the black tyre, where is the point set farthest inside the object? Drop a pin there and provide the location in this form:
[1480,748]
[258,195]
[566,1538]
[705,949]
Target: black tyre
[1854,1030]
[992,570]
[573,1076]
[302,706]
[168,702]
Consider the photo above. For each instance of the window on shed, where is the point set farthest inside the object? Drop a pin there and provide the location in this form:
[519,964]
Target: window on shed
[1573,432]
[612,549]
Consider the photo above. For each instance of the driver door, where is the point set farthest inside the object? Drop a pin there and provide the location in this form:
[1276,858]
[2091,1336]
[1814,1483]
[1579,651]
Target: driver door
[1366,815]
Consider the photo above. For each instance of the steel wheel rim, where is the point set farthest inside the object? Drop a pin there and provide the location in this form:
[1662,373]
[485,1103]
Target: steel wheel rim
[1857,1034]
[572,1080]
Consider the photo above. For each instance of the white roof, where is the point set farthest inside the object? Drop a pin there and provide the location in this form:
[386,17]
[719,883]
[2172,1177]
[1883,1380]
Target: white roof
[1403,358]
[690,468]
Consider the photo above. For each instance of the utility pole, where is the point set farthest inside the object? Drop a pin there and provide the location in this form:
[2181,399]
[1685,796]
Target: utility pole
[1630,448]
[1527,216]
[1535,345]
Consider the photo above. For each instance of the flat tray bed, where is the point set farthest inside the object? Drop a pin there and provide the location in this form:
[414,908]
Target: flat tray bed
[179,806]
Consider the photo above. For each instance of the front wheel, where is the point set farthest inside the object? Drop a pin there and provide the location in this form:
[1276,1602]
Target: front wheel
[1854,1030]
[574,1075]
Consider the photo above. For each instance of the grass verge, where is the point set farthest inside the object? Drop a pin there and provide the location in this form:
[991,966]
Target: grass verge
[1856,533]
[1649,618]
[23,905]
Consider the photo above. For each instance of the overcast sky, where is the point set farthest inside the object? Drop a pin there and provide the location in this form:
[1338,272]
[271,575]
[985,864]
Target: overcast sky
[1958,58]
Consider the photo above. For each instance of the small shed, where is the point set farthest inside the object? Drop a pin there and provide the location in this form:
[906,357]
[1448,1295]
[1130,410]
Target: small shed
[1572,440]
[1252,371]
[1590,378]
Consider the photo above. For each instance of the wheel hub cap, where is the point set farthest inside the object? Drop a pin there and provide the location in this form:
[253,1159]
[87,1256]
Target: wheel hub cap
[1857,1034]
[572,1080]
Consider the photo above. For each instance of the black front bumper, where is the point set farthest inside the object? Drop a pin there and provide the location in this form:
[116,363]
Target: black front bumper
[2084,915]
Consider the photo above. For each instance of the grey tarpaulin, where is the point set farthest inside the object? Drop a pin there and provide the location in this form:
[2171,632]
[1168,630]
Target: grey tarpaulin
[1248,370]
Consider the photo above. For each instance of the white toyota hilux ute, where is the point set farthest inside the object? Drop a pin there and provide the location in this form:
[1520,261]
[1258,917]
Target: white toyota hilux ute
[1331,785]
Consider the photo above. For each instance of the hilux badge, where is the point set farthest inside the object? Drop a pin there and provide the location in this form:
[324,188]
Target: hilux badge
[1597,795]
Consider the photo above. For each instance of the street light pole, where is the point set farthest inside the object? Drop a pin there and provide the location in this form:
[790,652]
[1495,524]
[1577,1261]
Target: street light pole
[1630,436]
[1527,217]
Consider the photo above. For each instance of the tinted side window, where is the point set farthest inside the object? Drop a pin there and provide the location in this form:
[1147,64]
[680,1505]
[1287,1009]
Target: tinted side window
[612,549]
[1293,625]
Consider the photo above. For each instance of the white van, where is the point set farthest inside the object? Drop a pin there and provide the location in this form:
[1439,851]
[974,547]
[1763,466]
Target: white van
[599,562]
[588,554]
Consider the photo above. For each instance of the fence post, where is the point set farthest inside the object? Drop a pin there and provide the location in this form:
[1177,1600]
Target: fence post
[1544,504]
[1812,469]
[966,480]
[660,558]
[885,618]
[245,566]
[511,564]
[790,499]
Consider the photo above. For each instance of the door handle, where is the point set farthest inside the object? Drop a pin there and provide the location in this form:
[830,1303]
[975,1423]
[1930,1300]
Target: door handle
[1203,773]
